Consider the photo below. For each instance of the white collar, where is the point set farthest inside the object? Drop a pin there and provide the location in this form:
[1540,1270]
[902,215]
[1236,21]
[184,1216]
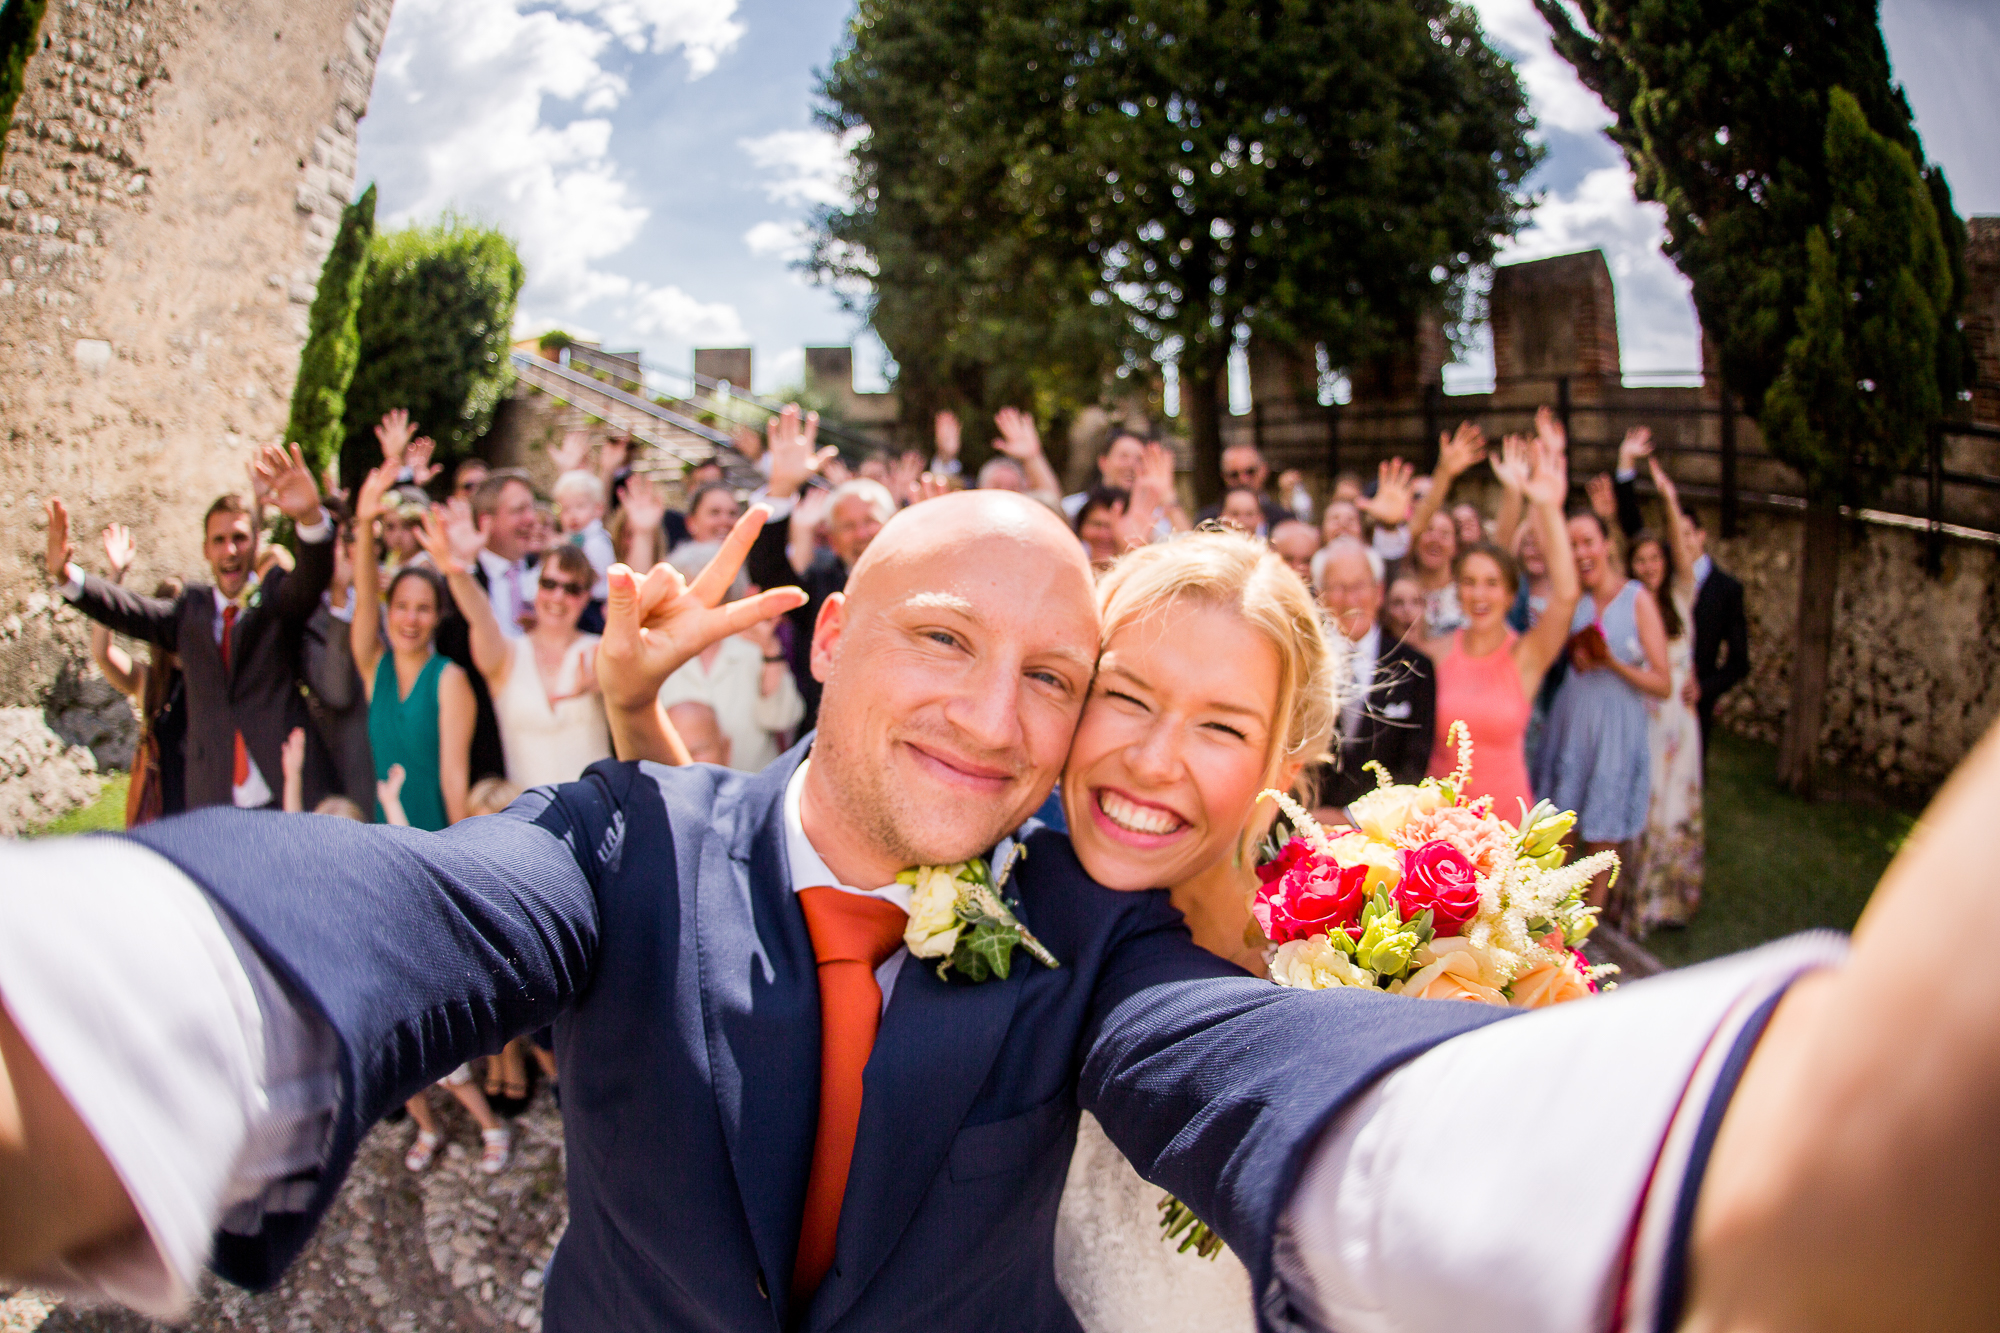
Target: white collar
[806,865]
[1369,646]
[250,585]
[496,566]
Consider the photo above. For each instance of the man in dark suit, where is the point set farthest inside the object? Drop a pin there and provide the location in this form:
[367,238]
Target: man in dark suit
[1389,714]
[1721,631]
[239,996]
[1244,468]
[499,548]
[238,638]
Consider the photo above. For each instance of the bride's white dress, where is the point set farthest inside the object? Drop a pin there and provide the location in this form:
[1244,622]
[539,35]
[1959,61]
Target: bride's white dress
[1116,1272]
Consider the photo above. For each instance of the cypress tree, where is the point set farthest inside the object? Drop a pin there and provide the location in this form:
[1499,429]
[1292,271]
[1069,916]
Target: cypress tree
[333,345]
[20,24]
[1763,127]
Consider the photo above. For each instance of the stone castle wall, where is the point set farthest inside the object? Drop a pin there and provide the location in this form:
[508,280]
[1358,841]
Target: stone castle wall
[171,183]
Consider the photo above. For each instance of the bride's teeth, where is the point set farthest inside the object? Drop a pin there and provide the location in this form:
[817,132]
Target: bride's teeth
[1135,818]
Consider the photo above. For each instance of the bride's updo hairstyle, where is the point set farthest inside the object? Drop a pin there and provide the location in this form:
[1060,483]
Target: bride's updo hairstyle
[1229,571]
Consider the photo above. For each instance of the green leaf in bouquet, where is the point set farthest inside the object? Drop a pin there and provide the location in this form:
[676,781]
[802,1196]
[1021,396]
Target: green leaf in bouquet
[1177,1220]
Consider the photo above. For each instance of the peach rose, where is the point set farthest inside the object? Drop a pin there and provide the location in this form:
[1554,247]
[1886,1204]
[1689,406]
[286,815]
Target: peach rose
[1453,976]
[1552,981]
[1382,813]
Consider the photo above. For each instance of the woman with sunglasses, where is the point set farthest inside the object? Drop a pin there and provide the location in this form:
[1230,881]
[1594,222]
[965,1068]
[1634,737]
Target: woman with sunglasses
[544,682]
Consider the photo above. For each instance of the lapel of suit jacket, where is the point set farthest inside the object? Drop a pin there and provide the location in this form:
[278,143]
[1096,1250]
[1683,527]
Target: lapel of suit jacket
[760,1005]
[937,1044]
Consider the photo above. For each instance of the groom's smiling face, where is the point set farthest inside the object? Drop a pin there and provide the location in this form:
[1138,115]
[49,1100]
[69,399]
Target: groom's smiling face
[955,665]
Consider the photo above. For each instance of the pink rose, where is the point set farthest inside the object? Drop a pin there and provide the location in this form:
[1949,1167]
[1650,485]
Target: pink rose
[1308,896]
[1438,876]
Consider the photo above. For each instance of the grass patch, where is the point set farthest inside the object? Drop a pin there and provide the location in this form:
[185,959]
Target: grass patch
[1776,864]
[106,814]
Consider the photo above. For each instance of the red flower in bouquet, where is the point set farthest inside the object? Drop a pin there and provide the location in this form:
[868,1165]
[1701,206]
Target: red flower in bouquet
[1438,876]
[1304,894]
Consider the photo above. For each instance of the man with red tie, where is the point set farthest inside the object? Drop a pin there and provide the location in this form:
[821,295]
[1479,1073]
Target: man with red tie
[238,638]
[777,1118]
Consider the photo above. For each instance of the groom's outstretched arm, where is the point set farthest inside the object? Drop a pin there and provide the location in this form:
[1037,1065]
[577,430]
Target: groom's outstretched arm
[226,1001]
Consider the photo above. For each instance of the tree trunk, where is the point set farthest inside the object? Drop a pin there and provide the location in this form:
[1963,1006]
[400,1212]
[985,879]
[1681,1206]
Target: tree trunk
[1202,385]
[1819,582]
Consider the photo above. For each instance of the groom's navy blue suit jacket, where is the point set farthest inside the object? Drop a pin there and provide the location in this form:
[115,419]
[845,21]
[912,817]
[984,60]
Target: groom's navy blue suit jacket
[647,911]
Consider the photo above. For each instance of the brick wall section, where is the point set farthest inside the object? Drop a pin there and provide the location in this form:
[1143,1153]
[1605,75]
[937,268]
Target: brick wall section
[1555,316]
[1982,314]
[171,183]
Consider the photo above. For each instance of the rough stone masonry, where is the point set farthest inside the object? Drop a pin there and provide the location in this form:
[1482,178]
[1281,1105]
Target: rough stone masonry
[171,182]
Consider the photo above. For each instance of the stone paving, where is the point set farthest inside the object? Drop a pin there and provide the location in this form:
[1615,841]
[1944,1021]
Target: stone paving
[449,1250]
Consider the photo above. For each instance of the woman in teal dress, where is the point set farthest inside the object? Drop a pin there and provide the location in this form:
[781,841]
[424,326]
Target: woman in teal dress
[420,716]
[420,706]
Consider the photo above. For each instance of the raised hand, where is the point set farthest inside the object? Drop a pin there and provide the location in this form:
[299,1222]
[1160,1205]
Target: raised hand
[654,625]
[1551,432]
[1019,439]
[1547,481]
[645,507]
[389,793]
[1395,493]
[434,534]
[368,499]
[945,435]
[60,548]
[418,459]
[461,529]
[904,470]
[1460,451]
[119,550]
[393,432]
[1603,497]
[573,454]
[1637,444]
[292,755]
[1510,466]
[1664,484]
[794,457]
[613,454]
[289,481]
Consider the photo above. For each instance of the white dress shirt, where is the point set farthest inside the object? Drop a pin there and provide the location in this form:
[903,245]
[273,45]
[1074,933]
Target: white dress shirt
[510,586]
[733,685]
[1361,658]
[809,871]
[1491,1183]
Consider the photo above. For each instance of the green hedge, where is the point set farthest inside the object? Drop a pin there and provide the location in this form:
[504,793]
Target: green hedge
[326,363]
[20,25]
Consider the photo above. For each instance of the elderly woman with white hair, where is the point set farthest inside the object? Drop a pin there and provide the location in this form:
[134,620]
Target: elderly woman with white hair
[745,678]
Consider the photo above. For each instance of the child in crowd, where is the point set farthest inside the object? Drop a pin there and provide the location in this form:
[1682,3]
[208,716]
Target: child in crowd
[580,505]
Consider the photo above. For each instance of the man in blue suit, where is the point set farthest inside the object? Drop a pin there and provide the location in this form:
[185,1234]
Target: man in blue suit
[655,914]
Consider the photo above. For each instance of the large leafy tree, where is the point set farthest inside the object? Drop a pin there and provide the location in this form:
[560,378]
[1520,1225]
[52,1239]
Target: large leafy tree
[1814,237]
[1069,178]
[437,305]
[333,340]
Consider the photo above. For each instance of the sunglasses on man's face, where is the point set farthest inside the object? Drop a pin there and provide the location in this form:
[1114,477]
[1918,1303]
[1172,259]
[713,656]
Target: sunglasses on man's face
[1238,473]
[562,585]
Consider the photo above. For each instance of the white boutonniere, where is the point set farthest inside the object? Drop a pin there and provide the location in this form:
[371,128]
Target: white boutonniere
[958,914]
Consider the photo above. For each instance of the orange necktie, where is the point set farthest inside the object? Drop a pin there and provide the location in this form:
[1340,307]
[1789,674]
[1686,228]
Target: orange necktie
[852,935]
[242,770]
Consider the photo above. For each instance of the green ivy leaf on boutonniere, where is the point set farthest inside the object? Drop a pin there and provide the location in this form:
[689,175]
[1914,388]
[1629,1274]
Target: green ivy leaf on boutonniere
[958,915]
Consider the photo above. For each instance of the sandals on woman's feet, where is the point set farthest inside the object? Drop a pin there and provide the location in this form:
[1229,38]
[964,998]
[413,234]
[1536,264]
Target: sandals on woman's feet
[497,1146]
[422,1151]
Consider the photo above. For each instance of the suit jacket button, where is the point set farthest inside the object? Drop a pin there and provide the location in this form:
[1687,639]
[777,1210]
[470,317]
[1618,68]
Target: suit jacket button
[762,1290]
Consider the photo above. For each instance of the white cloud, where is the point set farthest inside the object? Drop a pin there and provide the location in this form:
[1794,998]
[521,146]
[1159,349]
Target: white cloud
[810,166]
[1557,95]
[782,370]
[782,240]
[668,312]
[515,125]
[704,29]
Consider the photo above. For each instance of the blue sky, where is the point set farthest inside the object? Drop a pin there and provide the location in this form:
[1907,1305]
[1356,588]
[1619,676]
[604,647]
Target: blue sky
[654,159]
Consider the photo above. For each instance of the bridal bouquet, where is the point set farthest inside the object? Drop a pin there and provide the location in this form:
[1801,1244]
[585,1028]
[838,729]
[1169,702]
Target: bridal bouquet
[1431,895]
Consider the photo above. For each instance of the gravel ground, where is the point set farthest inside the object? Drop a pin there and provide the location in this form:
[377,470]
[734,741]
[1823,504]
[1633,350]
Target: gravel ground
[451,1249]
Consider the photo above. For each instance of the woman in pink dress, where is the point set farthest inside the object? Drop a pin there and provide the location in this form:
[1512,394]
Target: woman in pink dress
[1487,675]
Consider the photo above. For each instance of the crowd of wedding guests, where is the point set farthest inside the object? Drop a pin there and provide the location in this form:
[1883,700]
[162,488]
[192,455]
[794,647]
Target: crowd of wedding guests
[422,650]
